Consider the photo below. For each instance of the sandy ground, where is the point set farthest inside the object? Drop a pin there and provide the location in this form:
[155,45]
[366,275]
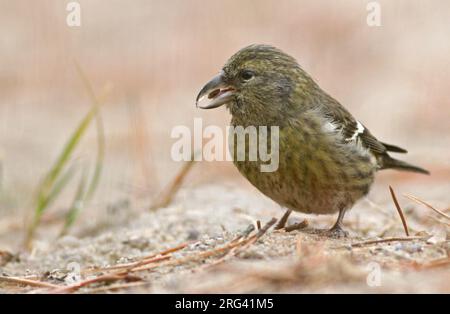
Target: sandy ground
[207,218]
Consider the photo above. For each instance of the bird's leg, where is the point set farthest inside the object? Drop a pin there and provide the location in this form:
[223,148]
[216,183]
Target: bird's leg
[283,220]
[336,231]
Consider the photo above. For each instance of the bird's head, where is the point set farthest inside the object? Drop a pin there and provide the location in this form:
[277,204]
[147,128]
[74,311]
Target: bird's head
[256,84]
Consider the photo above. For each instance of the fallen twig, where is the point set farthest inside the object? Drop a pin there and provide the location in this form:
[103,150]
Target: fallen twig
[385,240]
[244,234]
[419,201]
[244,244]
[152,258]
[283,220]
[260,233]
[297,226]
[439,221]
[400,211]
[170,250]
[223,249]
[132,265]
[27,282]
[103,278]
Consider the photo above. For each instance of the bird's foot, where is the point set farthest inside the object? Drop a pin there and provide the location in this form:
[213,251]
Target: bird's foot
[336,232]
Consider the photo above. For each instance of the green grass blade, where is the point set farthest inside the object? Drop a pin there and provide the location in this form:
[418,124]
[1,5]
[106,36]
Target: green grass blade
[99,158]
[85,192]
[60,184]
[100,133]
[46,189]
[49,180]
[77,204]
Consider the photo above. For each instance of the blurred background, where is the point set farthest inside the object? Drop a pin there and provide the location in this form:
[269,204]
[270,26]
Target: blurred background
[156,55]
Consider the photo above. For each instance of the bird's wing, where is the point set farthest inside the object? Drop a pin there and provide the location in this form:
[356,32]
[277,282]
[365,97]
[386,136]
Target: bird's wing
[356,131]
[353,130]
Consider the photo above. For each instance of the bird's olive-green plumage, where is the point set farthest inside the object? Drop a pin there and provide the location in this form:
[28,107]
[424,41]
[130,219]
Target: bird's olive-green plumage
[327,159]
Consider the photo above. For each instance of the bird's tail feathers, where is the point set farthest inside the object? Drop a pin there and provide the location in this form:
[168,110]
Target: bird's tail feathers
[394,148]
[390,163]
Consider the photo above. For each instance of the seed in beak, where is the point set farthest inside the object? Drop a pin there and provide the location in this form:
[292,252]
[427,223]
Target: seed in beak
[218,92]
[214,93]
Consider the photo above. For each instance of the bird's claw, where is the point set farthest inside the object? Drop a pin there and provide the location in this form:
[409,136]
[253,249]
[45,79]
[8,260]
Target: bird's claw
[336,232]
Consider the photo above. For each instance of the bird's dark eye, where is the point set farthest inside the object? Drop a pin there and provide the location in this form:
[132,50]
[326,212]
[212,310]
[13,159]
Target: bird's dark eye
[247,75]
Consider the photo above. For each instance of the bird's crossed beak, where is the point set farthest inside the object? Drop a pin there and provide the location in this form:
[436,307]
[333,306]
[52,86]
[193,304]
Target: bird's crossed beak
[217,91]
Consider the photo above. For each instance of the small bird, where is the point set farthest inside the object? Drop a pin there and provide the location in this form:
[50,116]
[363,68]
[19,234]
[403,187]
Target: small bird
[327,158]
